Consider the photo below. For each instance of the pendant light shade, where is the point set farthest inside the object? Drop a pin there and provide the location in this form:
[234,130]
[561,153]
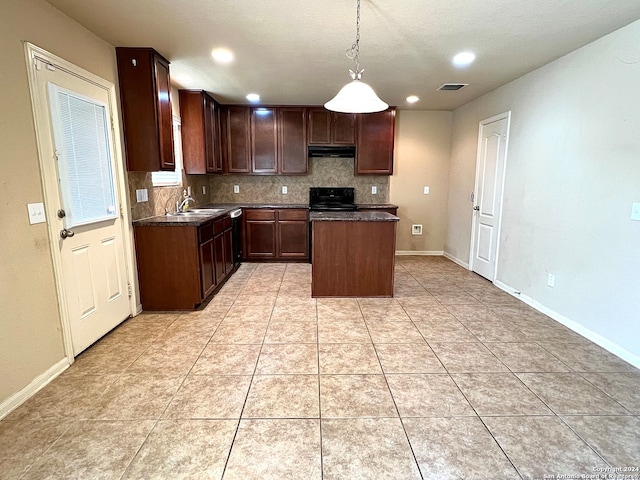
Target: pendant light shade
[356,97]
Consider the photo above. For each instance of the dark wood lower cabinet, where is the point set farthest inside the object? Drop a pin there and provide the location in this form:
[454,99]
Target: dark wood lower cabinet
[276,234]
[180,266]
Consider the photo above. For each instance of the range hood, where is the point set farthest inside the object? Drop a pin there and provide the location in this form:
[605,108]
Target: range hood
[335,151]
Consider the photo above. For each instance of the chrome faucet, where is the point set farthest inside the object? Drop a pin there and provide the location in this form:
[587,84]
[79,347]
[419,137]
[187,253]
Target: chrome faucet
[184,205]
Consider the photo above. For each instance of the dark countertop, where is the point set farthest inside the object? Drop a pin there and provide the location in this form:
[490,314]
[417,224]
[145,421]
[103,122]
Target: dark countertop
[352,217]
[225,208]
[376,205]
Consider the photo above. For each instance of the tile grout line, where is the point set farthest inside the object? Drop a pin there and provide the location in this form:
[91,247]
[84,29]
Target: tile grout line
[235,434]
[395,405]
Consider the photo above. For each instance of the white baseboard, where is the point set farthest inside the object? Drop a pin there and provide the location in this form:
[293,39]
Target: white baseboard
[18,398]
[419,252]
[596,338]
[456,260]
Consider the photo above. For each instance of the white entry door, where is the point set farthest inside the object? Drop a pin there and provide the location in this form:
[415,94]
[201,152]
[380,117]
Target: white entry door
[490,167]
[74,127]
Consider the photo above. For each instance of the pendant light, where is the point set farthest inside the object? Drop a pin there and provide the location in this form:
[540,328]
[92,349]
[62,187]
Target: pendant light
[356,96]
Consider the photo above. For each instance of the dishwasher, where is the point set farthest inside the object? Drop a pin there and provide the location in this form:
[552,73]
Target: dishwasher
[236,226]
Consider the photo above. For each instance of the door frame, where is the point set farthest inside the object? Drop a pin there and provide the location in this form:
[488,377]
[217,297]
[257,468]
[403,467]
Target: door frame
[39,106]
[501,116]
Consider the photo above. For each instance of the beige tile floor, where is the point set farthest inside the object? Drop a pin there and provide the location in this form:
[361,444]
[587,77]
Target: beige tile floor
[450,379]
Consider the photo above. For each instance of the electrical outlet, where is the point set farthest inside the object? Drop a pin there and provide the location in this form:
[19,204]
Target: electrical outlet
[635,211]
[551,281]
[204,189]
[236,189]
[426,190]
[142,195]
[416,229]
[36,213]
[374,190]
[284,190]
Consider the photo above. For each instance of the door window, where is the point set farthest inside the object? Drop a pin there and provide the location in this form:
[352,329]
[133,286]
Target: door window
[81,131]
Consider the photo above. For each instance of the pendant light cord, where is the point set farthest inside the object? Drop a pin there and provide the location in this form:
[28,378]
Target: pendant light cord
[354,52]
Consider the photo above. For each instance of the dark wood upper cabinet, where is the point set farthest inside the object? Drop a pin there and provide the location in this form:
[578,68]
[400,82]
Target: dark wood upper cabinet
[264,140]
[374,151]
[331,128]
[292,128]
[145,90]
[236,137]
[200,132]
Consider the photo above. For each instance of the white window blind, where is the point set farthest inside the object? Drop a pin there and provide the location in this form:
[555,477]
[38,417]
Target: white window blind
[85,169]
[173,178]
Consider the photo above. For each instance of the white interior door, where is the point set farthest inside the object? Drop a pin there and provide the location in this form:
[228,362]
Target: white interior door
[74,126]
[490,167]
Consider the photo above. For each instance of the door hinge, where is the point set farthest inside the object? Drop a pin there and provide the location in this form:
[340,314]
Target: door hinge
[129,290]
[473,197]
[113,128]
[121,211]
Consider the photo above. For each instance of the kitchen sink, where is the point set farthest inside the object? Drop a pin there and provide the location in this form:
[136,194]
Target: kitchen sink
[197,212]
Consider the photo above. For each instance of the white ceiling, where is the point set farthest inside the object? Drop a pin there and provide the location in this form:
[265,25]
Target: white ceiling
[292,51]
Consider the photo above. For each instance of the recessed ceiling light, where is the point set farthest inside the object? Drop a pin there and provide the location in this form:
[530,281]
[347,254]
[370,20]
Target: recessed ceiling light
[253,97]
[222,55]
[412,99]
[464,59]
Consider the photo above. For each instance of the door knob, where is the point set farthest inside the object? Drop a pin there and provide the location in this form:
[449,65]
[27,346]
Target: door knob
[476,208]
[64,233]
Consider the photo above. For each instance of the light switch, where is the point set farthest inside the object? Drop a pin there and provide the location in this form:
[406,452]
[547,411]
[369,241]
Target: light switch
[36,213]
[142,195]
[284,190]
[374,190]
[426,190]
[204,189]
[635,211]
[236,189]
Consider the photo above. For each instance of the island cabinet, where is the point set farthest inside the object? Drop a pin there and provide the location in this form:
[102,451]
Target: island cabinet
[276,234]
[375,139]
[331,128]
[179,266]
[199,114]
[353,254]
[145,90]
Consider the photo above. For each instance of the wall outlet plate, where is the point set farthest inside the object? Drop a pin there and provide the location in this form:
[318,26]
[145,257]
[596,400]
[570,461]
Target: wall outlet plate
[374,190]
[416,229]
[426,190]
[36,213]
[204,189]
[635,211]
[551,280]
[284,190]
[142,195]
[236,189]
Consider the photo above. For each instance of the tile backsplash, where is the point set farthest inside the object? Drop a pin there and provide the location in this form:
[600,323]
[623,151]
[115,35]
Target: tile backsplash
[323,172]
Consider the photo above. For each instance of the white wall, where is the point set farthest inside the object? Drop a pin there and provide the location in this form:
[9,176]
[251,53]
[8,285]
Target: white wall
[573,171]
[30,331]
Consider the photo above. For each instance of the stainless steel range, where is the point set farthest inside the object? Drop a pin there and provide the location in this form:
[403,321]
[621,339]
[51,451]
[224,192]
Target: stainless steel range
[332,199]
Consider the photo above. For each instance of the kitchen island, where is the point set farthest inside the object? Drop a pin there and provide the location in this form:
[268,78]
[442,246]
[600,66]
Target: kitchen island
[352,254]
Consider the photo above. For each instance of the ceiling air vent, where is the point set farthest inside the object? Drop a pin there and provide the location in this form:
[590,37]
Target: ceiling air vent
[453,86]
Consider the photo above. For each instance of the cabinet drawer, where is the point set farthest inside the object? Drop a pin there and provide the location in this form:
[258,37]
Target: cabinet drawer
[292,214]
[260,214]
[218,226]
[205,233]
